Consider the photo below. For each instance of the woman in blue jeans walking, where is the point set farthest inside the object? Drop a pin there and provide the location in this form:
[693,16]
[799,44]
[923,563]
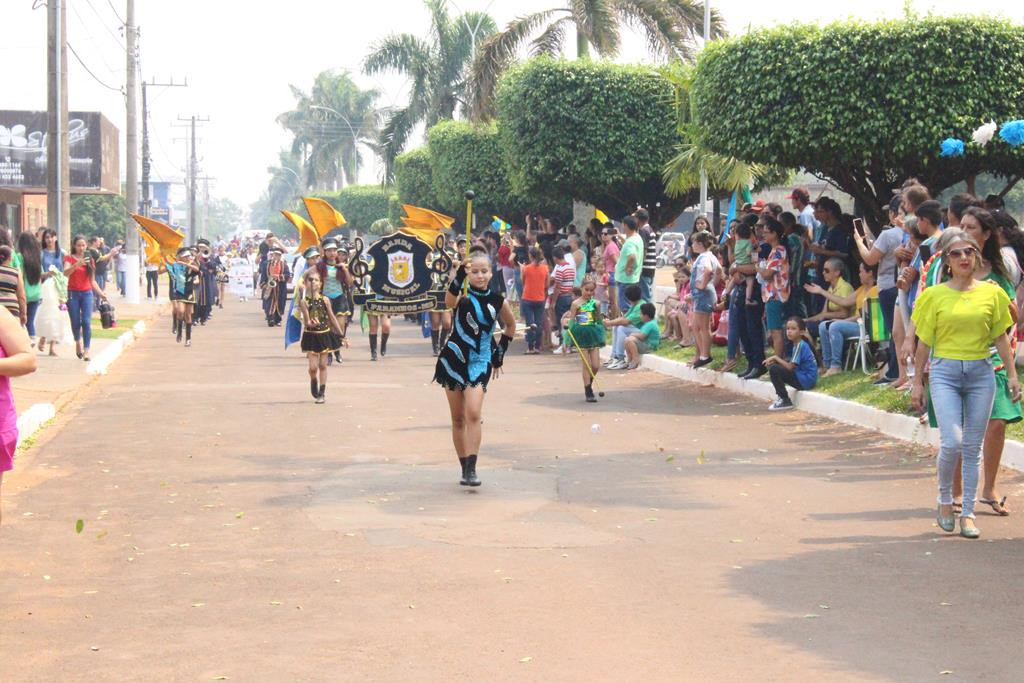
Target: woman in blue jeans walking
[81,274]
[531,303]
[956,322]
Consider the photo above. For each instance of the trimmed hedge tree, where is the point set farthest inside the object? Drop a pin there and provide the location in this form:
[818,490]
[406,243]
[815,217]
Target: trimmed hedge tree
[595,131]
[865,105]
[413,179]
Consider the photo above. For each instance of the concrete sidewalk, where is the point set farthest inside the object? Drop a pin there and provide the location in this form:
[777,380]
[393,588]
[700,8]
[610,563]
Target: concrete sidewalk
[58,379]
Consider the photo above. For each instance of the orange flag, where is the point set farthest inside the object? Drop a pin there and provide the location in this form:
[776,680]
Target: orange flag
[308,236]
[426,217]
[325,217]
[154,255]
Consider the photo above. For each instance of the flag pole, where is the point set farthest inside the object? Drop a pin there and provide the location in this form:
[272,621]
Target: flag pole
[469,224]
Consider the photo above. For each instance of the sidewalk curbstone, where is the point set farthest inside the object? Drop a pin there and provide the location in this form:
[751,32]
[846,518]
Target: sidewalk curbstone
[31,421]
[903,427]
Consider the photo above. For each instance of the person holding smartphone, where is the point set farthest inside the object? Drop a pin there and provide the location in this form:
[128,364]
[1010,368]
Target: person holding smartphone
[80,269]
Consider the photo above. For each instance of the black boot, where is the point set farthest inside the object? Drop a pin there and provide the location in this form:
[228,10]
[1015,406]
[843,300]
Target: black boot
[471,478]
[337,356]
[384,343]
[188,334]
[442,337]
[465,463]
[588,391]
[373,347]
[433,341]
[314,387]
[178,332]
[321,397]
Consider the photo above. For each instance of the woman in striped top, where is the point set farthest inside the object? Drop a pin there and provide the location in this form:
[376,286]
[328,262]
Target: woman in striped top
[12,290]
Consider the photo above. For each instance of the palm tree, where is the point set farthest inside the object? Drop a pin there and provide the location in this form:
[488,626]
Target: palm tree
[437,70]
[671,27]
[725,174]
[329,124]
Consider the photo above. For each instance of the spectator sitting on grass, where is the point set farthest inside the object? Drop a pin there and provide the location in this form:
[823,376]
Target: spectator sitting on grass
[799,372]
[834,333]
[624,326]
[644,340]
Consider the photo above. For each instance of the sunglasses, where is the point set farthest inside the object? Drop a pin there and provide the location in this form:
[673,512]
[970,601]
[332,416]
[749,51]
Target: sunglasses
[968,252]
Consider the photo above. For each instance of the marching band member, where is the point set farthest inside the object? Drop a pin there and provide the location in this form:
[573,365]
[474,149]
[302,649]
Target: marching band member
[471,357]
[321,333]
[337,287]
[183,274]
[273,281]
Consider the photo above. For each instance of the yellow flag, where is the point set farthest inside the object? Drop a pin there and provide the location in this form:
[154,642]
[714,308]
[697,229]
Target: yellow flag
[601,216]
[169,239]
[325,217]
[154,255]
[308,236]
[426,217]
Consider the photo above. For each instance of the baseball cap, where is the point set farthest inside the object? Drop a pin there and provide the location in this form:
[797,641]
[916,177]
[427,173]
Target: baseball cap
[758,206]
[799,193]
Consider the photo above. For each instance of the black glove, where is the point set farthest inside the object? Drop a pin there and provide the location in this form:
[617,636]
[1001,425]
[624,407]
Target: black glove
[455,286]
[498,355]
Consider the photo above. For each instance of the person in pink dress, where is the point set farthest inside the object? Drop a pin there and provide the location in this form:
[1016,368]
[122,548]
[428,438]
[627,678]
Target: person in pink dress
[16,359]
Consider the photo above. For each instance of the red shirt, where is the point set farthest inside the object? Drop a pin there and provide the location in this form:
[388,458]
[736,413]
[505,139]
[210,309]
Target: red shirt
[504,254]
[80,279]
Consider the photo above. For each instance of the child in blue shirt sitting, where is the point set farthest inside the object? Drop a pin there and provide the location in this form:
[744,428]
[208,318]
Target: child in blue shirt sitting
[799,372]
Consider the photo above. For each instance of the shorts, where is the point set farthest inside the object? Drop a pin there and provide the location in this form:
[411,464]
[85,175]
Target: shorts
[775,315]
[643,347]
[704,300]
[339,306]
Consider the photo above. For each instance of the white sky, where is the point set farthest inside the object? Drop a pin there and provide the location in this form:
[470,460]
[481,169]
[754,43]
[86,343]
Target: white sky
[240,56]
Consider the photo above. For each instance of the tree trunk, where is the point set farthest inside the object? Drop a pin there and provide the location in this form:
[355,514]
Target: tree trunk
[971,183]
[582,46]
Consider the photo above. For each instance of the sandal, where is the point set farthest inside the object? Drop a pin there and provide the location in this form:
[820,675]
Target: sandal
[996,505]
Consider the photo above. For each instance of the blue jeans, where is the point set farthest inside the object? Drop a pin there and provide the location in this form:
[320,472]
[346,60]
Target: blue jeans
[519,284]
[749,328]
[80,312]
[619,335]
[562,305]
[962,392]
[121,280]
[621,295]
[646,287]
[30,317]
[833,335]
[533,316]
[887,299]
[737,298]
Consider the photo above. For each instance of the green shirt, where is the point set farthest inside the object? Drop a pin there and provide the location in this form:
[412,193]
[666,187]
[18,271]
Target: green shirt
[32,292]
[633,315]
[633,246]
[652,333]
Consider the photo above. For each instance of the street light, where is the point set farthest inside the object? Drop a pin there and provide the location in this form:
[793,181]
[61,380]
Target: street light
[474,30]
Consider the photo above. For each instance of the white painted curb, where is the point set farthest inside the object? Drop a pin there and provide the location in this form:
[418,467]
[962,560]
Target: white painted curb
[31,420]
[102,362]
[902,427]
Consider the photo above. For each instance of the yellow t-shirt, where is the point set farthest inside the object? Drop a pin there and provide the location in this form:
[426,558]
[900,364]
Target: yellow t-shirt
[863,294]
[962,325]
[842,289]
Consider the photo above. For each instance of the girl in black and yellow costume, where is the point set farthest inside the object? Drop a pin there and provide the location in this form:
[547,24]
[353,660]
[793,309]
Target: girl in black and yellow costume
[337,287]
[471,357]
[321,333]
[183,274]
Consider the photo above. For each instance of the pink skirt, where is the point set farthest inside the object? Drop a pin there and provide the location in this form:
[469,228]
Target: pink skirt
[8,442]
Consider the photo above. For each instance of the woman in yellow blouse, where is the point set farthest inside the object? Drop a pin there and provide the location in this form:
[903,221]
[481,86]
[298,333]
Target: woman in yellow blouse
[956,323]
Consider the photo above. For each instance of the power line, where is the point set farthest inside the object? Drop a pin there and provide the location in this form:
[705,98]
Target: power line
[114,10]
[94,76]
[105,26]
[99,49]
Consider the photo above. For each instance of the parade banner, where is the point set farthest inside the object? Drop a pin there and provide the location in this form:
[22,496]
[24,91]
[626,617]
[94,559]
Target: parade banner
[396,275]
[240,278]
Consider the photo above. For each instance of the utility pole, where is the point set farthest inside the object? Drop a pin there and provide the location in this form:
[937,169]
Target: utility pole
[193,170]
[131,235]
[58,176]
[703,173]
[147,201]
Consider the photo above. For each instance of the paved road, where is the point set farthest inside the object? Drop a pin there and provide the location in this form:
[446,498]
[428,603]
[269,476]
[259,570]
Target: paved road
[234,529]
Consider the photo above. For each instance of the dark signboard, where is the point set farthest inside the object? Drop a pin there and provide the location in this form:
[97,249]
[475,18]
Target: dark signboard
[404,276]
[23,141]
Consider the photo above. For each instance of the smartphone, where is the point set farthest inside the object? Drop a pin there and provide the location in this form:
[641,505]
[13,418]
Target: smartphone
[926,253]
[858,225]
